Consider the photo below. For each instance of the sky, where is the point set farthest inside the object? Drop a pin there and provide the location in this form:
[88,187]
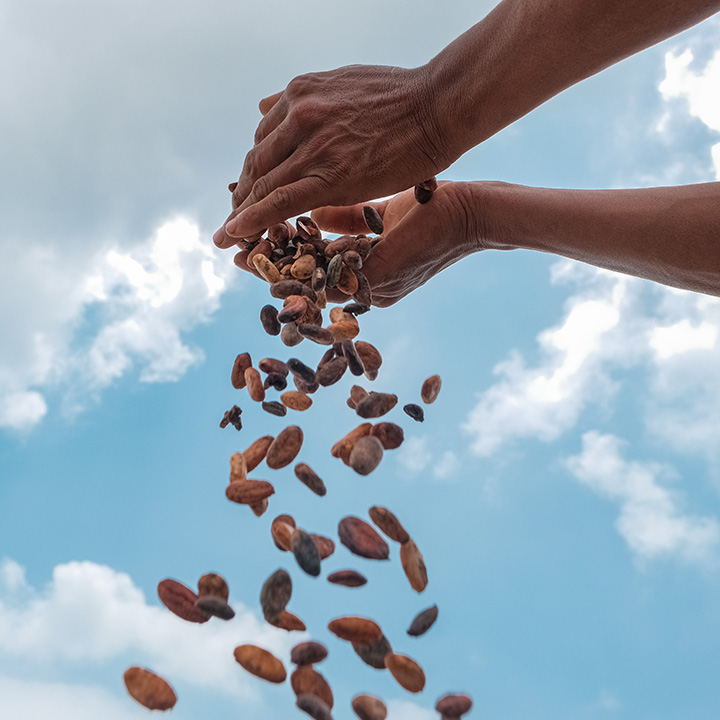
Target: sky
[564,488]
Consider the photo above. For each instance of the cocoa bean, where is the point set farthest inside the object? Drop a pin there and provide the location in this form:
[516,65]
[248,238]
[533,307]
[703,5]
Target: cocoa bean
[149,689]
[232,417]
[414,565]
[340,245]
[363,294]
[348,578]
[272,365]
[347,282]
[214,584]
[325,546]
[373,219]
[389,434]
[268,318]
[363,246]
[414,411]
[370,356]
[342,331]
[254,384]
[424,190]
[355,630]
[368,707]
[357,395]
[274,408]
[264,247]
[314,707]
[275,381]
[296,400]
[343,447]
[330,372]
[431,389]
[265,268]
[279,234]
[303,267]
[261,663]
[214,606]
[308,681]
[355,362]
[366,455]
[356,308]
[285,288]
[374,653]
[453,705]
[300,369]
[295,307]
[289,622]
[334,270]
[260,508]
[376,405]
[306,475]
[406,671]
[352,259]
[423,622]
[180,600]
[338,315]
[241,364]
[249,492]
[389,524]
[361,539]
[305,551]
[308,653]
[238,467]
[305,387]
[275,594]
[290,335]
[257,451]
[281,530]
[319,335]
[318,280]
[284,448]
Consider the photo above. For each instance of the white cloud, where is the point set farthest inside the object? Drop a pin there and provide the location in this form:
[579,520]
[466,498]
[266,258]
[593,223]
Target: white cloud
[407,710]
[447,466]
[413,455]
[84,324]
[650,520]
[91,614]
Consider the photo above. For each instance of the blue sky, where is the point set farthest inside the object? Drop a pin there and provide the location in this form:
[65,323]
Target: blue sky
[563,488]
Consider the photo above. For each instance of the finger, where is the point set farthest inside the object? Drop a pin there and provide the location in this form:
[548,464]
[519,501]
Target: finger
[347,219]
[266,104]
[294,198]
[271,120]
[261,159]
[241,260]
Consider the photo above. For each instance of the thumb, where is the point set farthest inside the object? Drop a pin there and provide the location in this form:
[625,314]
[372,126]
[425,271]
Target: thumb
[347,219]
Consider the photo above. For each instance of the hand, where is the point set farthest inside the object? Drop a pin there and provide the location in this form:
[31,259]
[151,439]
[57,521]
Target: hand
[337,138]
[418,241]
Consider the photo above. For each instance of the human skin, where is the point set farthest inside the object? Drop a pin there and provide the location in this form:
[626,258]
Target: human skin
[670,235]
[361,132]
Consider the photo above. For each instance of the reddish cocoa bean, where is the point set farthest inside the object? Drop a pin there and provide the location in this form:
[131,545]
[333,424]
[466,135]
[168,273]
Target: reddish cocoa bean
[306,475]
[149,689]
[257,451]
[249,492]
[284,448]
[376,405]
[272,365]
[360,538]
[347,578]
[241,364]
[389,524]
[355,362]
[414,565]
[254,384]
[296,400]
[325,546]
[289,622]
[308,653]
[368,707]
[295,307]
[454,705]
[308,681]
[352,259]
[406,671]
[389,434]
[355,629]
[281,530]
[261,663]
[431,389]
[180,600]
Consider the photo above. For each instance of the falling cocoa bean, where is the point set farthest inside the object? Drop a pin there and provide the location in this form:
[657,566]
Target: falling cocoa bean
[232,417]
[348,578]
[285,288]
[368,707]
[330,372]
[249,492]
[301,370]
[305,387]
[241,364]
[376,405]
[275,594]
[334,270]
[389,434]
[261,663]
[296,400]
[272,365]
[423,621]
[306,475]
[260,508]
[373,219]
[319,335]
[268,318]
[314,707]
[290,335]
[348,281]
[414,565]
[180,600]
[389,524]
[149,689]
[366,455]
[355,630]
[325,546]
[454,705]
[414,411]
[308,681]
[360,538]
[294,308]
[288,622]
[254,384]
[354,360]
[424,190]
[370,356]
[305,551]
[356,308]
[406,671]
[257,451]
[281,529]
[284,448]
[374,653]
[431,389]
[266,269]
[274,408]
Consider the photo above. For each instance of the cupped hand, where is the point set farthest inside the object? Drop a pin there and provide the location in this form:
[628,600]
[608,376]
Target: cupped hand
[337,138]
[418,240]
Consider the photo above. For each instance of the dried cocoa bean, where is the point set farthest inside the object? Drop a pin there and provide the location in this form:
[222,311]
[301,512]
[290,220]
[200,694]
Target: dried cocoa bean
[249,492]
[424,190]
[368,707]
[325,546]
[268,318]
[454,705]
[363,294]
[319,335]
[308,653]
[285,288]
[356,308]
[214,606]
[414,565]
[281,530]
[374,653]
[305,551]
[347,282]
[308,681]
[241,364]
[294,308]
[423,622]
[364,246]
[357,395]
[406,671]
[355,630]
[389,434]
[306,475]
[238,467]
[149,689]
[366,455]
[352,259]
[213,594]
[279,234]
[264,247]
[373,219]
[274,408]
[348,578]
[330,372]
[376,405]
[275,594]
[389,524]
[266,269]
[272,365]
[343,447]
[284,448]
[275,381]
[360,538]
[257,451]
[415,412]
[334,269]
[254,384]
[260,508]
[290,335]
[305,387]
[342,331]
[232,417]
[301,370]
[261,663]
[296,400]
[340,245]
[314,707]
[214,584]
[180,600]
[431,389]
[318,280]
[303,267]
[354,360]
[289,622]
[370,356]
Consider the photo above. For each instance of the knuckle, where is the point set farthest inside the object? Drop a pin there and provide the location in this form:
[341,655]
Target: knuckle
[281,198]
[251,166]
[261,188]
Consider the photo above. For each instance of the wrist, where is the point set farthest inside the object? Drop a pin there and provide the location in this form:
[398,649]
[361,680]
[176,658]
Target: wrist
[491,217]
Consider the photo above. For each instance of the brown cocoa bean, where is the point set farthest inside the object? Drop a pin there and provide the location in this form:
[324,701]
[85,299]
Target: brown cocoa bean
[280,234]
[149,689]
[214,606]
[342,331]
[303,267]
[347,578]
[272,365]
[213,584]
[306,475]
[334,269]
[347,282]
[308,681]
[340,245]
[373,219]
[264,247]
[431,389]
[454,705]
[260,508]
[296,400]
[305,387]
[305,551]
[281,530]
[285,288]
[343,447]
[284,448]
[376,405]
[389,434]
[338,315]
[290,336]
[414,565]
[238,467]
[268,318]
[301,370]
[274,408]
[406,671]
[325,546]
[314,707]
[307,229]
[275,593]
[366,455]
[354,360]
[257,451]
[319,335]
[414,411]
[261,663]
[254,384]
[266,269]
[294,308]
[363,294]
[249,492]
[289,622]
[370,356]
[373,654]
[180,600]
[232,417]
[318,280]
[360,538]
[355,630]
[423,621]
[241,364]
[357,394]
[368,707]
[352,259]
[389,524]
[330,372]
[424,190]
[356,309]
[308,653]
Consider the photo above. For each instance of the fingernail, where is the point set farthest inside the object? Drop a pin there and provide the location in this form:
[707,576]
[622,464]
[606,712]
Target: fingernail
[231,226]
[218,237]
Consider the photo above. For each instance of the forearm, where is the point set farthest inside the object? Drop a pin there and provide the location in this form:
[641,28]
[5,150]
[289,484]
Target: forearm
[668,234]
[526,51]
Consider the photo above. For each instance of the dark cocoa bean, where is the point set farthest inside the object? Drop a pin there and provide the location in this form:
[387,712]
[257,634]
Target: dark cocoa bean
[284,448]
[376,405]
[424,190]
[295,307]
[274,408]
[355,362]
[308,653]
[314,707]
[414,411]
[363,294]
[374,653]
[305,551]
[348,578]
[180,600]
[275,594]
[241,364]
[330,372]
[308,681]
[319,335]
[373,219]
[290,335]
[423,622]
[306,475]
[276,381]
[268,318]
[232,417]
[272,365]
[301,370]
[454,705]
[389,434]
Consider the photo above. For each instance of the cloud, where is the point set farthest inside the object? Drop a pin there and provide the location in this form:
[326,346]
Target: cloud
[407,710]
[90,614]
[413,455]
[650,520]
[81,325]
